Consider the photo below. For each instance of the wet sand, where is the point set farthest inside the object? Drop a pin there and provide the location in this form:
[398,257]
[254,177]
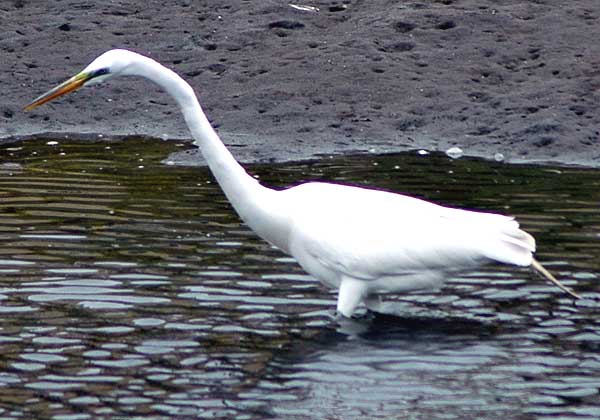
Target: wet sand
[282,82]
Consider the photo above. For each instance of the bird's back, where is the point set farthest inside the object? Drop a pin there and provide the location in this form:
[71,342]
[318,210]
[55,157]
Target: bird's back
[368,233]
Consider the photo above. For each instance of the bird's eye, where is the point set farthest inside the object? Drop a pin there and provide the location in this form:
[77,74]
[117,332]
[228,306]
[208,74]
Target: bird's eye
[99,72]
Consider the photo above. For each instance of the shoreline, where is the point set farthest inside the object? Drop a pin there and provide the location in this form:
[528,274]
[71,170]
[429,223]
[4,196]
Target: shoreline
[281,83]
[250,156]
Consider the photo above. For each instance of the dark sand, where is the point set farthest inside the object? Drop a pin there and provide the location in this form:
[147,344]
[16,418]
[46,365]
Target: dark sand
[513,77]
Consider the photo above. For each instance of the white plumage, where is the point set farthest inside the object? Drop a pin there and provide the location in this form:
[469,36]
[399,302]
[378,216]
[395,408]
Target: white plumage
[367,242]
[362,241]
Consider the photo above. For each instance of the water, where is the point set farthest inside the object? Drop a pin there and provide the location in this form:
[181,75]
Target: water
[130,289]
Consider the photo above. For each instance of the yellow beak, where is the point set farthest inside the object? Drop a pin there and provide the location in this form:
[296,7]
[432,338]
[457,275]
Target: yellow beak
[70,85]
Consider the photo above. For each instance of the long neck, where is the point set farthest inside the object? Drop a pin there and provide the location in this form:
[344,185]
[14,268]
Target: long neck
[258,206]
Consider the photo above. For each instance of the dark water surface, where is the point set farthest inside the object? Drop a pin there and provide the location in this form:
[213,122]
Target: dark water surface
[129,289]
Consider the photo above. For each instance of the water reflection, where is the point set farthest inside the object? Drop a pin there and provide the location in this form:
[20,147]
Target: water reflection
[134,291]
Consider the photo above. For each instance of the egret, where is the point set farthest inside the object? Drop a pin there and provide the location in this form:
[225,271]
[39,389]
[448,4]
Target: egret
[362,241]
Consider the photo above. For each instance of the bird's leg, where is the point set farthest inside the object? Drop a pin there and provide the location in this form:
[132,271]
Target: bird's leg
[352,292]
[373,302]
[547,275]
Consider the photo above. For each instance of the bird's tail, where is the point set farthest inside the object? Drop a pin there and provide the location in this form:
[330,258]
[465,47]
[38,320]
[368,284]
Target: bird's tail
[546,274]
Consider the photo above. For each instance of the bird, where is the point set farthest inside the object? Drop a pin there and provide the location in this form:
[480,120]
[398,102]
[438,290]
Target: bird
[363,242]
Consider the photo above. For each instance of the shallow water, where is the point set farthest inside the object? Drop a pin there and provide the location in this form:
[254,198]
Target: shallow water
[130,289]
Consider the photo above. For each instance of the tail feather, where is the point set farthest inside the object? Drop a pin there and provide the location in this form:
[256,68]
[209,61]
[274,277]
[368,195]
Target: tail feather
[515,246]
[520,238]
[512,246]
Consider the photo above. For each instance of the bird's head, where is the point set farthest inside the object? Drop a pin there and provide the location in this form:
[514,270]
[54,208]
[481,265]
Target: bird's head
[111,63]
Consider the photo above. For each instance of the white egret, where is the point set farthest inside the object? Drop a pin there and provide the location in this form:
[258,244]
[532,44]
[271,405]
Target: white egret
[362,241]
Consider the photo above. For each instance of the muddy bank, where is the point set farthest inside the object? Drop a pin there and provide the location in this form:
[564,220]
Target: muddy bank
[284,82]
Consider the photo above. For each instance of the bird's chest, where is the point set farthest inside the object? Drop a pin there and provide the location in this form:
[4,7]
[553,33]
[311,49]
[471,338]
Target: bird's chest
[312,264]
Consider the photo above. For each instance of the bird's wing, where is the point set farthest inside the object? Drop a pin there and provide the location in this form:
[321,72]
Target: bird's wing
[368,234]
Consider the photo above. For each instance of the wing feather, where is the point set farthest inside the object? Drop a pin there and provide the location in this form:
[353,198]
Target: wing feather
[368,234]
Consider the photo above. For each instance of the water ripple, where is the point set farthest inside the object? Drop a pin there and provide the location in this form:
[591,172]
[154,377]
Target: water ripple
[131,292]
